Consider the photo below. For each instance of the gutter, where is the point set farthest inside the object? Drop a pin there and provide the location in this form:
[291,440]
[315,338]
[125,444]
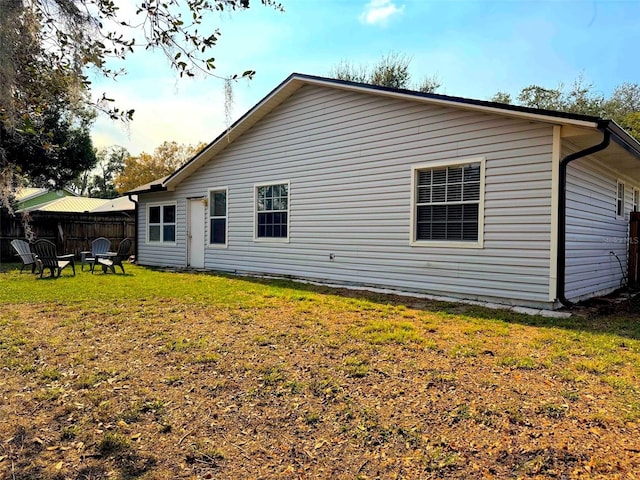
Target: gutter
[135,245]
[562,209]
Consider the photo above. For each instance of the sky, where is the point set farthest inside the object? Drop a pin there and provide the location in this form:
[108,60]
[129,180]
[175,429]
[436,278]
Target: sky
[475,48]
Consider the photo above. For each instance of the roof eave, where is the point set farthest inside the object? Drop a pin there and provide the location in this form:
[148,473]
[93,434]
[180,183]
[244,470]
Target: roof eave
[297,80]
[151,189]
[250,118]
[622,138]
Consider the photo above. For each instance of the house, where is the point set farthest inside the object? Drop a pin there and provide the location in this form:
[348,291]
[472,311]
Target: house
[28,197]
[355,184]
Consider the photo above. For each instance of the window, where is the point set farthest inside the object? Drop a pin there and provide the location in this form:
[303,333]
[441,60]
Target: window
[620,200]
[448,207]
[636,200]
[162,223]
[272,211]
[218,216]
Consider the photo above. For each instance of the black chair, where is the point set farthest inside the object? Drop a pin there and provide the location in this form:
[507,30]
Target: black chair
[26,255]
[110,262]
[48,258]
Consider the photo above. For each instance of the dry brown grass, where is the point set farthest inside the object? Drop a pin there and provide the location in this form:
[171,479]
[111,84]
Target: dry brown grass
[210,377]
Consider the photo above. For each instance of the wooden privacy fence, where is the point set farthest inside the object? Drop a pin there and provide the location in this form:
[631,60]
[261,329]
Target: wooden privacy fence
[71,232]
[634,249]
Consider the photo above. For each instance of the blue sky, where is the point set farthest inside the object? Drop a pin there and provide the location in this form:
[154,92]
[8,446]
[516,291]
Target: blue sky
[475,48]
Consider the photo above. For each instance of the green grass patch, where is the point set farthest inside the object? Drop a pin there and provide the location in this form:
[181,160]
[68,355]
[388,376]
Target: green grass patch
[379,332]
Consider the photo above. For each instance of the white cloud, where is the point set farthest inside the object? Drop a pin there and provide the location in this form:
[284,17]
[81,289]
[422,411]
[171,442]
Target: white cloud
[378,12]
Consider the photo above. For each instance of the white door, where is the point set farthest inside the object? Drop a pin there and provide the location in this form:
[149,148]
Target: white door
[195,247]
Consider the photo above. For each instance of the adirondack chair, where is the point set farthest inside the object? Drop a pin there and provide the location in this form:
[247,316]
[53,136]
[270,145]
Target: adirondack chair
[26,255]
[110,262]
[99,246]
[48,258]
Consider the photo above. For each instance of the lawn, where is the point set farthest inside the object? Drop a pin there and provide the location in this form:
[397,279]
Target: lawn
[161,375]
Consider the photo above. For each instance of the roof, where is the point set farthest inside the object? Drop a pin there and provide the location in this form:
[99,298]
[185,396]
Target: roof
[115,205]
[296,80]
[70,205]
[152,186]
[84,205]
[26,193]
[29,192]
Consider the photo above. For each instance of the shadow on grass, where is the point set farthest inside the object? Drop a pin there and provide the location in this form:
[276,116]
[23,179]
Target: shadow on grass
[24,453]
[603,316]
[621,318]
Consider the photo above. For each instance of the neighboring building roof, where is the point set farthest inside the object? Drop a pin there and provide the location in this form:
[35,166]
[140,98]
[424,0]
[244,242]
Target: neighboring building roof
[85,205]
[29,192]
[29,197]
[115,205]
[70,205]
[295,81]
[26,193]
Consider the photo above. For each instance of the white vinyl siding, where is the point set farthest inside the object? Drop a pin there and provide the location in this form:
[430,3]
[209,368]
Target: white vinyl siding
[349,158]
[167,254]
[596,240]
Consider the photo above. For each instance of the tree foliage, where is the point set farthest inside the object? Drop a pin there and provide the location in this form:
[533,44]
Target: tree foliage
[165,159]
[47,48]
[55,159]
[99,182]
[392,71]
[623,106]
[44,122]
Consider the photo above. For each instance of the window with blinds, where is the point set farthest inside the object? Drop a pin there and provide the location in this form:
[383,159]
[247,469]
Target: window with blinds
[448,203]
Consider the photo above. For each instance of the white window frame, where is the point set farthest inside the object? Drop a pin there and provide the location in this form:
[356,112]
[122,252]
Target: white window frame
[635,200]
[447,243]
[620,202]
[255,212]
[162,223]
[210,217]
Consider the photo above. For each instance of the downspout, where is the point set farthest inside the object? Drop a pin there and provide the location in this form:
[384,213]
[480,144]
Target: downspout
[562,210]
[135,228]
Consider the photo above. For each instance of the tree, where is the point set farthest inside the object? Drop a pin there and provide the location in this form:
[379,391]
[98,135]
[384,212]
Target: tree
[502,97]
[99,182]
[74,35]
[44,124]
[55,159]
[430,84]
[623,106]
[392,70]
[47,47]
[166,158]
